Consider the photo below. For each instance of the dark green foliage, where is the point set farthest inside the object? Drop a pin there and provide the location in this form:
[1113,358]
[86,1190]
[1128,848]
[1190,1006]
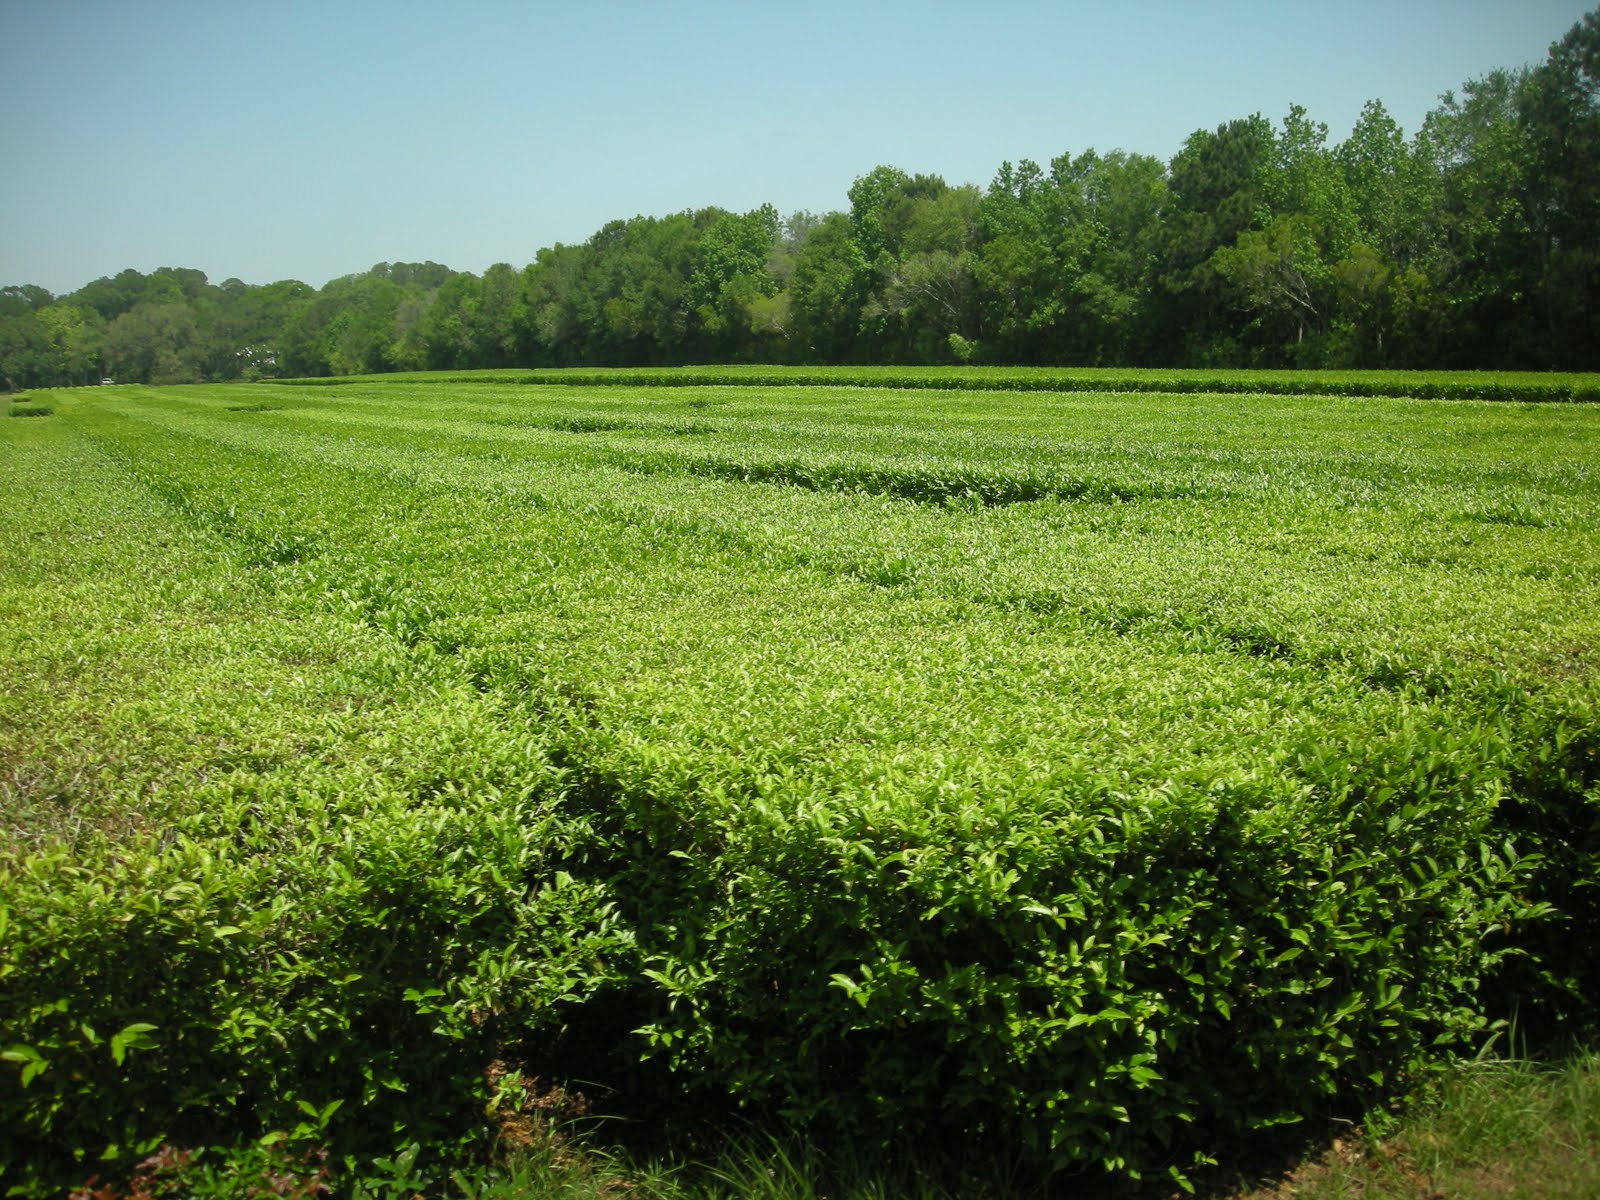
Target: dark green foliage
[1470,244]
[589,424]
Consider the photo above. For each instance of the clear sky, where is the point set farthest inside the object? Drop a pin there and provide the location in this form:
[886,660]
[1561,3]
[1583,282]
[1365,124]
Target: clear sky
[268,139]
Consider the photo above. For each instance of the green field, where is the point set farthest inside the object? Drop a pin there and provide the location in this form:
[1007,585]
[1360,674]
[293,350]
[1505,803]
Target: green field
[1115,777]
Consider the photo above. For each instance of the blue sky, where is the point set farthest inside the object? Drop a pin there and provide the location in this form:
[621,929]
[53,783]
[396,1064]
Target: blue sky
[271,140]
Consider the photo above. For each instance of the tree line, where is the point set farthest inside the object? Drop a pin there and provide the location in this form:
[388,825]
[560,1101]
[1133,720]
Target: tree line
[1474,242]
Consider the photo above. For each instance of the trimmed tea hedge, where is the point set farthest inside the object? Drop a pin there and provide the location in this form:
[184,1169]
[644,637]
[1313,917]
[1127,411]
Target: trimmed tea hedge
[1528,386]
[726,749]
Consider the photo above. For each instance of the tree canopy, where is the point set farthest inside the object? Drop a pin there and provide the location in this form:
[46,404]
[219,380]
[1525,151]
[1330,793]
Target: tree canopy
[1474,242]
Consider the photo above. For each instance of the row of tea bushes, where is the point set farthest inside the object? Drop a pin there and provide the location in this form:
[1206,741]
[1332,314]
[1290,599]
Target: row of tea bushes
[1527,386]
[372,747]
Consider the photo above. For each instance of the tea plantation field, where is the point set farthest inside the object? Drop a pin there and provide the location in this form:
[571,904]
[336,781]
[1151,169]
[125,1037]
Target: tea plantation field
[1114,777]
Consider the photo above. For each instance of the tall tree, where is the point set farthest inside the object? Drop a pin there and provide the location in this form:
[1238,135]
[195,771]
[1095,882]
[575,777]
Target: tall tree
[450,326]
[18,299]
[827,290]
[923,307]
[1560,111]
[501,320]
[732,275]
[155,342]
[550,290]
[27,357]
[75,339]
[1218,185]
[1495,239]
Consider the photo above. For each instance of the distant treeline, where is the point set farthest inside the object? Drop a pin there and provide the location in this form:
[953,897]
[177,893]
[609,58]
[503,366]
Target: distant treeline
[1474,243]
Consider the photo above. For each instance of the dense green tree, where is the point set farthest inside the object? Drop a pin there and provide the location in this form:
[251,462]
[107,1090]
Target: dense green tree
[1119,200]
[871,196]
[423,276]
[500,321]
[1476,242]
[635,304]
[1280,278]
[1392,189]
[155,342]
[1018,268]
[191,284]
[249,325]
[18,299]
[550,287]
[51,346]
[26,353]
[449,326]
[1218,185]
[1488,249]
[732,275]
[111,296]
[924,287]
[408,345]
[75,337]
[1307,179]
[1068,258]
[1381,306]
[826,292]
[1560,111]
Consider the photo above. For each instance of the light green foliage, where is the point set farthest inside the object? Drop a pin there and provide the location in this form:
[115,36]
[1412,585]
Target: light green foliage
[732,259]
[1114,777]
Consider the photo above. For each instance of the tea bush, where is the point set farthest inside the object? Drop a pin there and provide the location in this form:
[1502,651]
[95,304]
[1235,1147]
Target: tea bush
[1525,386]
[363,751]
